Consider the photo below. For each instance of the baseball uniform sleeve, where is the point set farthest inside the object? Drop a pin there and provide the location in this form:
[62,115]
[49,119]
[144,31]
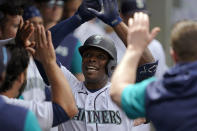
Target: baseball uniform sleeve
[63,28]
[31,123]
[59,115]
[133,99]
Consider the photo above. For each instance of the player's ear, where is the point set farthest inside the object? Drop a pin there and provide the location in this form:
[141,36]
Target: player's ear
[174,55]
[21,77]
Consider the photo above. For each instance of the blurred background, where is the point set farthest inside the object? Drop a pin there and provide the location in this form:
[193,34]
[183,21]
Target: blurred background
[164,13]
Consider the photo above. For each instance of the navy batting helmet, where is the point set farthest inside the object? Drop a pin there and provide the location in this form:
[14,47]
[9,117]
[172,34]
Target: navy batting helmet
[105,44]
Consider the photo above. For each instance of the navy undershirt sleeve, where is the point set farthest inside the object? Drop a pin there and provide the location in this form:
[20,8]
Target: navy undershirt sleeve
[59,115]
[47,92]
[42,72]
[62,29]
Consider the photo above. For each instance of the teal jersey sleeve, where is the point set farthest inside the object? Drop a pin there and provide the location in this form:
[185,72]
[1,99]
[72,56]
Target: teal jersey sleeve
[31,123]
[133,99]
[76,60]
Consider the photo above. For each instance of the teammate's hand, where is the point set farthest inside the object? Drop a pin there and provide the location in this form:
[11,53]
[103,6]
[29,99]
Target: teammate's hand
[83,13]
[139,121]
[45,52]
[109,12]
[23,34]
[139,35]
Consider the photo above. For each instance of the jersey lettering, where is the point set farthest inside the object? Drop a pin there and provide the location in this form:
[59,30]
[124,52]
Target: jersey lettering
[99,117]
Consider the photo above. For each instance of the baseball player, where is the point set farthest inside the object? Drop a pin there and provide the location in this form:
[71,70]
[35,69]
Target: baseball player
[96,109]
[173,96]
[99,56]
[14,118]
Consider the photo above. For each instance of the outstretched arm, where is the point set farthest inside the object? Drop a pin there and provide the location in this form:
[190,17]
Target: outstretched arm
[62,29]
[61,92]
[138,39]
[110,15]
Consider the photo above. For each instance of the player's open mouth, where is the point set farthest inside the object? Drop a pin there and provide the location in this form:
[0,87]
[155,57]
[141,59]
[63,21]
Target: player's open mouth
[91,68]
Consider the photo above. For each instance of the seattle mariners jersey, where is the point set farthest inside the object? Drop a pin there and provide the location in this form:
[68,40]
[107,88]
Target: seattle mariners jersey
[97,112]
[35,87]
[42,110]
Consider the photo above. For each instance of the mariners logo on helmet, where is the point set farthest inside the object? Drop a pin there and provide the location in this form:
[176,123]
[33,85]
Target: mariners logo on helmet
[97,39]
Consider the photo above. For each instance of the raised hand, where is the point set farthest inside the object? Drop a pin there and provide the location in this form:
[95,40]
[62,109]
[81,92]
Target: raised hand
[44,48]
[139,35]
[23,34]
[139,121]
[83,13]
[109,12]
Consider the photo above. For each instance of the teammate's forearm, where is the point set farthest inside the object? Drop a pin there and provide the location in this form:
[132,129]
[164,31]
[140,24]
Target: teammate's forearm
[122,31]
[128,66]
[61,91]
[62,29]
[42,71]
[146,57]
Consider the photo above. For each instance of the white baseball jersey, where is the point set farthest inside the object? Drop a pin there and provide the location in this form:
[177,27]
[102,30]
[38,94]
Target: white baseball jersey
[35,88]
[97,112]
[42,110]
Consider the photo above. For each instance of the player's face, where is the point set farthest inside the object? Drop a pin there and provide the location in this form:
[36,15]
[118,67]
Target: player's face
[52,10]
[35,21]
[93,65]
[10,27]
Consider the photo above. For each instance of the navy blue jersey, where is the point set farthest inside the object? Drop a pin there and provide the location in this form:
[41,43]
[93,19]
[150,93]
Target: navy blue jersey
[171,103]
[15,118]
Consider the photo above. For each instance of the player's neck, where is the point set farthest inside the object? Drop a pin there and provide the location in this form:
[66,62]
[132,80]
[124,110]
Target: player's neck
[95,85]
[11,93]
